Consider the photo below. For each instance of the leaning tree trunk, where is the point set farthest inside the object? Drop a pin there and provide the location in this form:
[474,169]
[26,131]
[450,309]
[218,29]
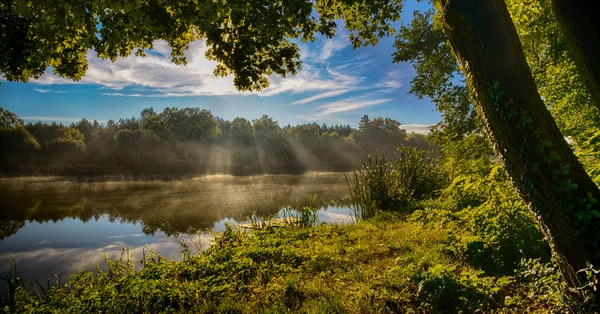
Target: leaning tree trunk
[579,23]
[541,164]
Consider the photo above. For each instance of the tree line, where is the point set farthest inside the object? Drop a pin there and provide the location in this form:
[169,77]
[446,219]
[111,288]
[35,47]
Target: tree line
[191,141]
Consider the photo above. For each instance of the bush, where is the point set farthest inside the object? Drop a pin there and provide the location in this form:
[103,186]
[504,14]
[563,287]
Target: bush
[488,225]
[385,185]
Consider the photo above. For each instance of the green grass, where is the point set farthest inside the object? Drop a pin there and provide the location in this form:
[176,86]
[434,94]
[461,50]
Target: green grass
[372,188]
[381,265]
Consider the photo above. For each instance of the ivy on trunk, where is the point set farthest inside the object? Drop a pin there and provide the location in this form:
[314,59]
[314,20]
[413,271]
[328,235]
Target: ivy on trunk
[541,164]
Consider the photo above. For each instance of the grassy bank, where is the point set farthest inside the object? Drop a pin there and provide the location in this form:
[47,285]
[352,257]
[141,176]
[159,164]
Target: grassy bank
[378,266]
[433,238]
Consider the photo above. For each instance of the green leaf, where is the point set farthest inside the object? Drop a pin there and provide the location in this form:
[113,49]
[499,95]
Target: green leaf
[583,215]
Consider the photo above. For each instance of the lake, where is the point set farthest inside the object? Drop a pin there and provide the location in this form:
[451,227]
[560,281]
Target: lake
[60,226]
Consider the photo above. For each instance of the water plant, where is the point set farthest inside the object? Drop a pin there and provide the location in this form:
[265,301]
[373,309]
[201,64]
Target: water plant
[12,282]
[396,184]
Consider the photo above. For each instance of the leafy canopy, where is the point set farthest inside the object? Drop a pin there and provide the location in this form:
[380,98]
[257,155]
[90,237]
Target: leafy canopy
[249,39]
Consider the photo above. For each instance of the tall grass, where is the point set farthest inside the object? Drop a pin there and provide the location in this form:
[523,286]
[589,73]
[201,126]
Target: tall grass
[12,282]
[383,184]
[307,216]
[371,187]
[300,216]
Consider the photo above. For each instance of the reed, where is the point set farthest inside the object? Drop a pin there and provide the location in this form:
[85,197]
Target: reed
[12,282]
[372,187]
[394,184]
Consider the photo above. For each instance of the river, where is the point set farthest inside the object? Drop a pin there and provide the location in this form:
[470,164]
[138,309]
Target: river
[61,226]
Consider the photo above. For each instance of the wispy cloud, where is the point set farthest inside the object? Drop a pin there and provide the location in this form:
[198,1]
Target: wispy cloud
[350,104]
[57,119]
[125,95]
[416,128]
[332,46]
[156,73]
[323,95]
[43,91]
[324,75]
[393,80]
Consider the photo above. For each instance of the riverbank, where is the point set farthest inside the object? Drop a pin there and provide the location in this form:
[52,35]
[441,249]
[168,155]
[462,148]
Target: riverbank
[383,265]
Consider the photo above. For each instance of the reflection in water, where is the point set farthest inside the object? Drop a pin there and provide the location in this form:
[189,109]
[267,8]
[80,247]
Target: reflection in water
[57,226]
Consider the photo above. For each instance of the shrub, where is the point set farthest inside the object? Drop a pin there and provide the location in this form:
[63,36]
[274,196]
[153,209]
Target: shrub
[385,185]
[488,225]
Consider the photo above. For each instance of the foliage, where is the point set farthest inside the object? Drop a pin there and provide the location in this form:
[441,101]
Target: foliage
[18,146]
[306,215]
[252,41]
[398,185]
[377,266]
[543,290]
[488,225]
[557,79]
[9,119]
[248,40]
[12,283]
[190,142]
[424,44]
[360,268]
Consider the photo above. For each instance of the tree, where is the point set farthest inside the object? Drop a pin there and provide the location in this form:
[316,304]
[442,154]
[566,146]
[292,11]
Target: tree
[16,142]
[68,146]
[379,133]
[541,164]
[85,128]
[189,124]
[9,119]
[43,132]
[241,132]
[425,45]
[252,40]
[579,25]
[555,74]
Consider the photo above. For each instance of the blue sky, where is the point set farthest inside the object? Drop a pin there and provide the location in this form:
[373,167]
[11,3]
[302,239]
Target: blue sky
[336,85]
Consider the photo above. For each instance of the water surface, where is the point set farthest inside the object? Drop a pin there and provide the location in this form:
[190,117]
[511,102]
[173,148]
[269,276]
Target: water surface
[59,226]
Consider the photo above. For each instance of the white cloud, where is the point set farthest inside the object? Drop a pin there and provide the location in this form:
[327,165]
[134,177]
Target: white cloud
[332,46]
[57,119]
[44,91]
[417,128]
[323,95]
[125,95]
[156,73]
[156,76]
[392,80]
[350,104]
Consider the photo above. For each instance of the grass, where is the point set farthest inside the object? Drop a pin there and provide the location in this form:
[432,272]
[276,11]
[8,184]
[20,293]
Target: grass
[381,265]
[371,188]
[398,185]
[12,282]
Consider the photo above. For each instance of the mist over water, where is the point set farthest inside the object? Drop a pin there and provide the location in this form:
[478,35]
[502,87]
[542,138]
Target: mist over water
[55,225]
[87,190]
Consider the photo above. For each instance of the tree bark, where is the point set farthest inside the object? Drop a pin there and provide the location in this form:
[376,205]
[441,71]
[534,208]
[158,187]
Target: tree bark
[579,23]
[539,161]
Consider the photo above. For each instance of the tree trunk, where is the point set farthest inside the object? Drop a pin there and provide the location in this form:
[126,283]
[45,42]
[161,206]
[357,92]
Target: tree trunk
[579,23]
[541,164]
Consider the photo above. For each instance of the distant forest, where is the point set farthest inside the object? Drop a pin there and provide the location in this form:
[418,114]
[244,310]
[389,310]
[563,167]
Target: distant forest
[191,141]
